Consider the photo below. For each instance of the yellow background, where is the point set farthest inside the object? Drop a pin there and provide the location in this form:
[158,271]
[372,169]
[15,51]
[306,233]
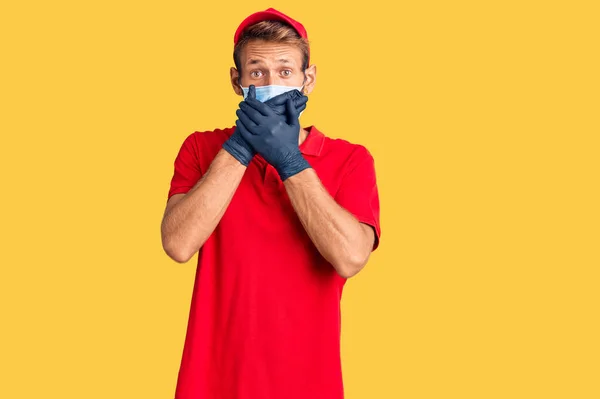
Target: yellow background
[483,118]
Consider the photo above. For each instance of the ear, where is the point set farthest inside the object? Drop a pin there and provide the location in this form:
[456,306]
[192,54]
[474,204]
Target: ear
[311,79]
[234,76]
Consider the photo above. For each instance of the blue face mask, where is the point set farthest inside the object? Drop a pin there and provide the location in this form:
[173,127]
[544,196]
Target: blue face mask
[264,93]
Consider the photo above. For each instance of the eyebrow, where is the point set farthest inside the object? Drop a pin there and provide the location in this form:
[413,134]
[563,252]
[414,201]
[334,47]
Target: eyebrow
[254,61]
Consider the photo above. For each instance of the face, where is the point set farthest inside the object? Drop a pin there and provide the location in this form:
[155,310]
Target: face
[266,63]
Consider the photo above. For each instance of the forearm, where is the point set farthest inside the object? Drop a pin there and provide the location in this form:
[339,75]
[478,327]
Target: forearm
[187,226]
[336,233]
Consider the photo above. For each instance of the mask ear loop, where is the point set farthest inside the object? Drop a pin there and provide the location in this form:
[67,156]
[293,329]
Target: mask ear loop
[303,84]
[240,84]
[302,89]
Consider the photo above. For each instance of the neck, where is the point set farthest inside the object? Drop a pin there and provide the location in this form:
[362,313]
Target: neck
[302,136]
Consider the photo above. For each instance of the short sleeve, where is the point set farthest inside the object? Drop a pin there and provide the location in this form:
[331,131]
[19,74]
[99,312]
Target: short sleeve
[358,192]
[186,167]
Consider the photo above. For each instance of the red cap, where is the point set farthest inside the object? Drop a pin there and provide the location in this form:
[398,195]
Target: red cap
[268,14]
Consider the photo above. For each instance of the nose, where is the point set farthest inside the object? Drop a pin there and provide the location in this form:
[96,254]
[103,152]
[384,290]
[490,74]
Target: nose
[266,80]
[271,79]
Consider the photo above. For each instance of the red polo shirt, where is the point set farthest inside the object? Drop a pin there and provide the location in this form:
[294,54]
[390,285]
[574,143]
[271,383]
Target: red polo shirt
[264,320]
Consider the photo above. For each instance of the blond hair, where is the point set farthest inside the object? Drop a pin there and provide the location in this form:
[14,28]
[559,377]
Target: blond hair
[272,31]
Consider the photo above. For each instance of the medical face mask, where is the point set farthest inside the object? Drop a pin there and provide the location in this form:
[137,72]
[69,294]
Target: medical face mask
[264,93]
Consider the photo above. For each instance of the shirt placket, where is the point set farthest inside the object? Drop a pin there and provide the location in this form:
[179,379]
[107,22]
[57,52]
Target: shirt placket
[270,178]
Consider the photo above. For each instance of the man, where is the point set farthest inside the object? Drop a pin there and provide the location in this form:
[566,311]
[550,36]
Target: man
[280,217]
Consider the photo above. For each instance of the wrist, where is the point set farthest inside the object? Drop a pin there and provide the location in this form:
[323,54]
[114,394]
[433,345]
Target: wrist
[239,149]
[291,165]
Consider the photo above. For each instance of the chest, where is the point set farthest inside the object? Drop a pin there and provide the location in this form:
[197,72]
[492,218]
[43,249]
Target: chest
[262,205]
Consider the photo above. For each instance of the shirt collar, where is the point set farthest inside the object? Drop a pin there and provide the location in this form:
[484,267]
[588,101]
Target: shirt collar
[313,144]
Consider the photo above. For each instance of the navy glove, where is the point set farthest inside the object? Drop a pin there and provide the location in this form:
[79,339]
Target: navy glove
[272,136]
[277,103]
[238,147]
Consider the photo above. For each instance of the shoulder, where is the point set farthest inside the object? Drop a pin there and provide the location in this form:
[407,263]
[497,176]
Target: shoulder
[348,153]
[207,142]
[202,146]
[208,137]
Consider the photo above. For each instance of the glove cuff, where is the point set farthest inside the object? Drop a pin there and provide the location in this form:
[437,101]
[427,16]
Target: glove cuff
[238,150]
[292,166]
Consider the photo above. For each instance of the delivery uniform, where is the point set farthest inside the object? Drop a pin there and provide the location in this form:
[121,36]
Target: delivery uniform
[264,320]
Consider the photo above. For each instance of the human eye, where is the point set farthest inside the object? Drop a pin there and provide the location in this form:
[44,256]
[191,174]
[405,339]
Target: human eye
[287,72]
[256,74]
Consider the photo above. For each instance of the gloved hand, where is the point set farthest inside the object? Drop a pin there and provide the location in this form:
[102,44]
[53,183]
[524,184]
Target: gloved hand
[277,103]
[238,147]
[272,136]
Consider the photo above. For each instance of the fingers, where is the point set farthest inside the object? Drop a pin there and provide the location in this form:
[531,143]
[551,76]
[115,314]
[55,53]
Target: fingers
[301,101]
[280,99]
[249,112]
[246,120]
[292,114]
[300,108]
[277,103]
[261,107]
[239,125]
[252,92]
